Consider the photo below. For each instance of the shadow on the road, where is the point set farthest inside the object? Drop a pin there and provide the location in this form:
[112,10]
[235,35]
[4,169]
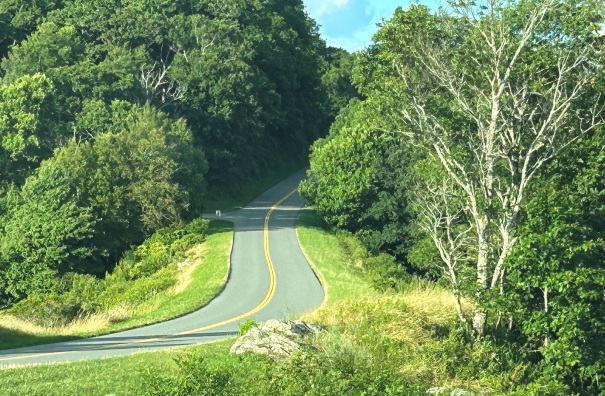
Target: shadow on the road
[118,343]
[10,337]
[252,218]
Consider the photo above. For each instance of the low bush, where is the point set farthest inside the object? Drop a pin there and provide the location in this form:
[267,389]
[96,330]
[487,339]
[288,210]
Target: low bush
[246,326]
[48,310]
[334,368]
[381,270]
[194,376]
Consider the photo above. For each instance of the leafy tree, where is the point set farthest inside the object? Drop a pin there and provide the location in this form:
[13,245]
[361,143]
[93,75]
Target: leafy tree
[91,201]
[556,274]
[46,232]
[467,98]
[501,107]
[337,78]
[28,130]
[357,181]
[240,79]
[19,19]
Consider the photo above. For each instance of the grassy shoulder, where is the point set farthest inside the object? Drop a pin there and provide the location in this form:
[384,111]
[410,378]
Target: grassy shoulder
[182,287]
[331,261]
[346,283]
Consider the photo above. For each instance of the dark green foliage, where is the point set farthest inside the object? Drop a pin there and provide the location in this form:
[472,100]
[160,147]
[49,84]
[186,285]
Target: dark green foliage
[560,257]
[46,231]
[552,291]
[20,18]
[112,113]
[88,204]
[338,79]
[29,129]
[381,270]
[357,181]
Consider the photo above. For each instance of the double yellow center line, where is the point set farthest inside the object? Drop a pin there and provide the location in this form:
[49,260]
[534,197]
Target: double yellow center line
[253,311]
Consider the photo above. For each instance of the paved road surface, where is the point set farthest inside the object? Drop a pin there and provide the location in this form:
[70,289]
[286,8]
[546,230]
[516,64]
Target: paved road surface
[270,278]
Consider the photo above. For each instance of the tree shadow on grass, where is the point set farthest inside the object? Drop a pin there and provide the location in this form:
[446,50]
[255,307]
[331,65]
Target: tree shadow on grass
[219,226]
[310,219]
[10,338]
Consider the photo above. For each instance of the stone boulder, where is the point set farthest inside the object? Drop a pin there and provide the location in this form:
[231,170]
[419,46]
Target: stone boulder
[275,338]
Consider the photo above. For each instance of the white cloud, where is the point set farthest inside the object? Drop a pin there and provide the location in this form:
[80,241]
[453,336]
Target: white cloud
[318,8]
[339,30]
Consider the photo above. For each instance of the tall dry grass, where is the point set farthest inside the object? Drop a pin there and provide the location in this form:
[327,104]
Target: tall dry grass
[412,319]
[85,325]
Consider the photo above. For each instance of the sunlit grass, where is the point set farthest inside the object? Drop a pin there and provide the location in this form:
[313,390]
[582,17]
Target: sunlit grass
[330,260]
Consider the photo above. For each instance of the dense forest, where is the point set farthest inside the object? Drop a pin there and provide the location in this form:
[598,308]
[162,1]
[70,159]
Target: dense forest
[475,155]
[116,117]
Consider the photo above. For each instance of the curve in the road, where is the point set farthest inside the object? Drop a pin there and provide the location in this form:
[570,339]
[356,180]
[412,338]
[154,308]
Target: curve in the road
[267,280]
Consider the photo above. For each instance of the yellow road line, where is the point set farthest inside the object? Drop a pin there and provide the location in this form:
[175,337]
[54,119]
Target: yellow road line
[258,308]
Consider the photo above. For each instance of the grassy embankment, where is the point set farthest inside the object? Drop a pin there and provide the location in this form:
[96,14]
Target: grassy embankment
[193,285]
[366,325]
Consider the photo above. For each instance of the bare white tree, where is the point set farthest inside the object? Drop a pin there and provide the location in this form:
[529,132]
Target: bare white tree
[518,121]
[155,81]
[441,217]
[157,86]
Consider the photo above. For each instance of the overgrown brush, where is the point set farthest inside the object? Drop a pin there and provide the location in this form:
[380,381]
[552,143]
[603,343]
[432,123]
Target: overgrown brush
[417,320]
[144,271]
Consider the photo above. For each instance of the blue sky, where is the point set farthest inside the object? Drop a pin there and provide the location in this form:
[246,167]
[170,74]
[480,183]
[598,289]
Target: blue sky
[350,24]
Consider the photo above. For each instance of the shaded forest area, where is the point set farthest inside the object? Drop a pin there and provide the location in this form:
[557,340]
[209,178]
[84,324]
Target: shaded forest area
[116,117]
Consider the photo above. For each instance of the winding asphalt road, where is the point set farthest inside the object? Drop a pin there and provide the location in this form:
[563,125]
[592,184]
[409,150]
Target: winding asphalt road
[270,278]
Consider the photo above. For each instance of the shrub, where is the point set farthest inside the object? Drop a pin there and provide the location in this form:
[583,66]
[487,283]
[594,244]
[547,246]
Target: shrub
[84,290]
[50,310]
[341,368]
[246,326]
[139,291]
[194,376]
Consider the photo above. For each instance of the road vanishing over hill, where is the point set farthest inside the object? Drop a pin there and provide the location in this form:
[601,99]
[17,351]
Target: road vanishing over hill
[270,278]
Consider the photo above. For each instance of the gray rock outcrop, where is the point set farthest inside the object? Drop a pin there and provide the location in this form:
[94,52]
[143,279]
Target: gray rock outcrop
[275,338]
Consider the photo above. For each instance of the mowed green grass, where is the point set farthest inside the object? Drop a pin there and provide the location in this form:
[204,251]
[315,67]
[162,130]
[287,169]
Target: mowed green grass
[330,261]
[126,375]
[118,376]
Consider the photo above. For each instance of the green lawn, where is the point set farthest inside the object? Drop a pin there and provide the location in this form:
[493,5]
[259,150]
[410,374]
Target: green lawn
[330,261]
[116,376]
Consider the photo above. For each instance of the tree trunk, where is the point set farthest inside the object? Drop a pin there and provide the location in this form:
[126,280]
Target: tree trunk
[480,315]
